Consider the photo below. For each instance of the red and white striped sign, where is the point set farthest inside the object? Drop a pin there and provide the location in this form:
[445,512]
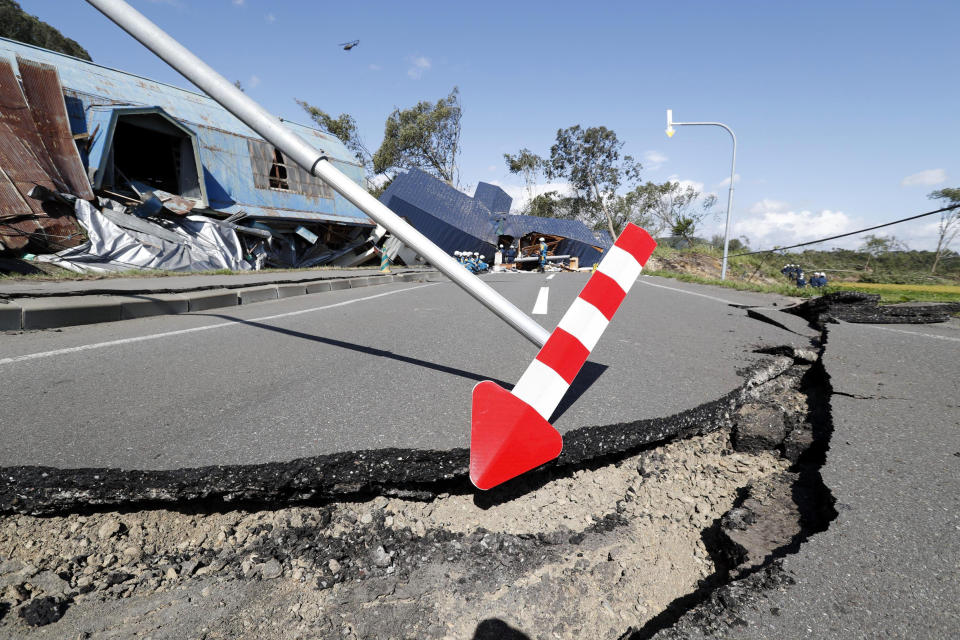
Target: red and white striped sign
[510,431]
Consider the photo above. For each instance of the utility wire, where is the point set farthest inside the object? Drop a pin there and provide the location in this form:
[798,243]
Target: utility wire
[851,233]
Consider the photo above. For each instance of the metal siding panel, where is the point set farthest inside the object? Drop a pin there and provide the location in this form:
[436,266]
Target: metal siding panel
[41,84]
[492,197]
[15,113]
[443,202]
[13,206]
[259,163]
[441,233]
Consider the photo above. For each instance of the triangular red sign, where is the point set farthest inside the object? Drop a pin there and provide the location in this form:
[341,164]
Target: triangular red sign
[508,437]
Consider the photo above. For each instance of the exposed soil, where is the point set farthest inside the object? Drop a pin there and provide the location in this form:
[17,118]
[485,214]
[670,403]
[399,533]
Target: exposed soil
[622,544]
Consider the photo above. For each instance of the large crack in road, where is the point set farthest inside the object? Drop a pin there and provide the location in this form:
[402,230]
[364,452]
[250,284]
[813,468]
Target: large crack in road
[634,527]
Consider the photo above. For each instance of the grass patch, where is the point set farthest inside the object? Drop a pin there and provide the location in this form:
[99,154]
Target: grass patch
[889,293]
[739,285]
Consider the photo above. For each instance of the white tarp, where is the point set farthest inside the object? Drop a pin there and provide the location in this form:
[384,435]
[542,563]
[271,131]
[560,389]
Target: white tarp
[119,241]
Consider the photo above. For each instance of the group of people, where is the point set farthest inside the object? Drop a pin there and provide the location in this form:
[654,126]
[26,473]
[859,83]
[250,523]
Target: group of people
[473,262]
[795,273]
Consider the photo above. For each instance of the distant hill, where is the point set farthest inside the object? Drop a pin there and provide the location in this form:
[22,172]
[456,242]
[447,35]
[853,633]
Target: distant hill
[19,25]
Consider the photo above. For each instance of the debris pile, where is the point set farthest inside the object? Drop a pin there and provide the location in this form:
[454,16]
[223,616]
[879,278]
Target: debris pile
[855,306]
[172,170]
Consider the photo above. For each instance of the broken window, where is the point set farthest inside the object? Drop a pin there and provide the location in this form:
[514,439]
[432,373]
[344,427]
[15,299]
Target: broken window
[271,170]
[149,151]
[278,172]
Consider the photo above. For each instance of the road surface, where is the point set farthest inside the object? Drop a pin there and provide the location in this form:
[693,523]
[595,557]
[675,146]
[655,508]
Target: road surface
[371,368]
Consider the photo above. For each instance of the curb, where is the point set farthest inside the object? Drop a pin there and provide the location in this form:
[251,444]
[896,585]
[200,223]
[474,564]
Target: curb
[68,311]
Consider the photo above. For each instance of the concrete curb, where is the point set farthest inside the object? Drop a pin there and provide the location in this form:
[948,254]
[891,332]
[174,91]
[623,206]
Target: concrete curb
[67,311]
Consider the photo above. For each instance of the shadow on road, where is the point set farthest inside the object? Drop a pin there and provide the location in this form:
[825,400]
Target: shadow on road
[370,351]
[496,629]
[589,373]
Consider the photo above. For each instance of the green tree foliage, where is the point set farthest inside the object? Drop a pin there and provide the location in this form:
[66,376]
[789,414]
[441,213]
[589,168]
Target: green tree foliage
[345,128]
[874,246]
[425,136]
[590,160]
[949,221]
[735,245]
[673,207]
[530,166]
[553,205]
[18,25]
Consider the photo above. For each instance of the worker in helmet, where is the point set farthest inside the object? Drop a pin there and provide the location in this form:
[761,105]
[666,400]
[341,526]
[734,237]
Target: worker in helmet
[481,265]
[543,254]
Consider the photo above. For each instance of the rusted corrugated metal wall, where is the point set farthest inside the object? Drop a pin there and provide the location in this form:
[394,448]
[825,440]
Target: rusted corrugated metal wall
[24,162]
[41,84]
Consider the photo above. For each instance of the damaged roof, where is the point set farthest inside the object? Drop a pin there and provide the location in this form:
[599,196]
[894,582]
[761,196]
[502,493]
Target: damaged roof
[94,94]
[455,221]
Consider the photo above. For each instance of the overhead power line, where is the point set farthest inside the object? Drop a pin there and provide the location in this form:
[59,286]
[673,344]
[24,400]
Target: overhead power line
[851,233]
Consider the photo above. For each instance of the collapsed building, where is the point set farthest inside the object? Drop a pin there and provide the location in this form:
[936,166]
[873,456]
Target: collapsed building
[102,169]
[76,135]
[457,222]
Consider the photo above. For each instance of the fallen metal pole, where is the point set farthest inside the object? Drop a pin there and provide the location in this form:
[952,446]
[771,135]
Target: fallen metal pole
[313,160]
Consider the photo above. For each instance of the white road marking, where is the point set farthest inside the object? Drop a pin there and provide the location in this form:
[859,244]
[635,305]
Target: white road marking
[540,308]
[551,276]
[180,332]
[916,333]
[692,293]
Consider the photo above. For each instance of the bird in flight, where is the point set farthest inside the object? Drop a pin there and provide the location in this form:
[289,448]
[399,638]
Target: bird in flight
[349,45]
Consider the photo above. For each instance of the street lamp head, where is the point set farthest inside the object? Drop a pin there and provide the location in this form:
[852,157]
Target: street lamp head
[670,130]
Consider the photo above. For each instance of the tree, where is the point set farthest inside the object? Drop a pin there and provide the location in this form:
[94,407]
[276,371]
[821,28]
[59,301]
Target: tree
[674,207]
[552,205]
[589,159]
[425,136]
[874,246]
[733,245]
[345,128]
[530,165]
[18,25]
[949,221]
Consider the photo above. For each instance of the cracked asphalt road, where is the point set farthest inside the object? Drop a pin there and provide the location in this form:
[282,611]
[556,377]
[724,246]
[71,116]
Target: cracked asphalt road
[889,565]
[387,366]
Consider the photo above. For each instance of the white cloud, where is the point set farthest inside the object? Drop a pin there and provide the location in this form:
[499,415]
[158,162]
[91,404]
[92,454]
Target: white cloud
[375,67]
[270,18]
[492,168]
[379,180]
[687,183]
[420,64]
[926,178]
[653,160]
[726,181]
[239,3]
[254,82]
[765,205]
[791,227]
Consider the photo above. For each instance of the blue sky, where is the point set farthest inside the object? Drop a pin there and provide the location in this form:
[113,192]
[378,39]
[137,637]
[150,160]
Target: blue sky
[845,112]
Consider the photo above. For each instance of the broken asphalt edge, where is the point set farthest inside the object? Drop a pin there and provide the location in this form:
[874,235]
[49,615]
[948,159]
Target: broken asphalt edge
[423,474]
[51,312]
[716,607]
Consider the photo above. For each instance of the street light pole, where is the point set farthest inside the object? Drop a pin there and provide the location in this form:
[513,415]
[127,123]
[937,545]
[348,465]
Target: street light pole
[733,168]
